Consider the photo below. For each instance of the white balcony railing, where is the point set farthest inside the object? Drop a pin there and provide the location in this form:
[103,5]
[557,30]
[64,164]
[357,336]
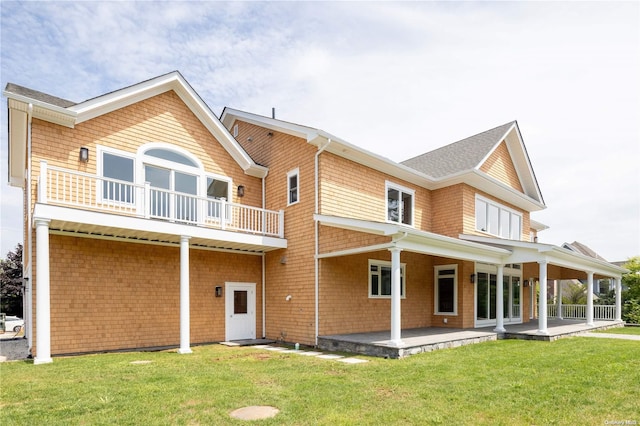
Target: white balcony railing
[600,312]
[90,192]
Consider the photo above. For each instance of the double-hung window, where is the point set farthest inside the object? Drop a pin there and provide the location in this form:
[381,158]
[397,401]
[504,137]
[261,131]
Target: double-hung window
[446,290]
[118,177]
[293,182]
[380,279]
[399,204]
[498,220]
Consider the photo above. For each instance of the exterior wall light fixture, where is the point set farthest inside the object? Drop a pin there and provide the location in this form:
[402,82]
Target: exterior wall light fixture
[240,190]
[84,154]
[472,278]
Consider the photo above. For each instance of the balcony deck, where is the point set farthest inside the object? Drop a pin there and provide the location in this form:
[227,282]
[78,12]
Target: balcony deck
[90,205]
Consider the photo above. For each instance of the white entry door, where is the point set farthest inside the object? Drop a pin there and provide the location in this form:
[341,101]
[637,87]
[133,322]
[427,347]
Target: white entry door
[240,310]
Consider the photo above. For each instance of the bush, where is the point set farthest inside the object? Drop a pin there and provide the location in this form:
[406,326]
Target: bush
[631,311]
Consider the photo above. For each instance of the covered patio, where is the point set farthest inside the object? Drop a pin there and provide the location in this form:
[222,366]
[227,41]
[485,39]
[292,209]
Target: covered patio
[419,340]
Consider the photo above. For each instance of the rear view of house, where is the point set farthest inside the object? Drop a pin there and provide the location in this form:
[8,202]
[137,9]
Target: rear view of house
[150,222]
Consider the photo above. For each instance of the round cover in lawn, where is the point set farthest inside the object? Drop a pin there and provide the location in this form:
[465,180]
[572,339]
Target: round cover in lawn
[255,412]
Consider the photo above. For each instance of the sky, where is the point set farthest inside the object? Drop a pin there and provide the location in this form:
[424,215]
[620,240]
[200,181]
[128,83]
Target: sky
[398,79]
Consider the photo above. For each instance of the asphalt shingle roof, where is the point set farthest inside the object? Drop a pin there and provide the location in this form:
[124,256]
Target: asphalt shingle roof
[39,96]
[463,155]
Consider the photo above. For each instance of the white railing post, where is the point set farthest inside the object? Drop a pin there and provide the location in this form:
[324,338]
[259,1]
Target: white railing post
[42,183]
[223,213]
[281,223]
[147,200]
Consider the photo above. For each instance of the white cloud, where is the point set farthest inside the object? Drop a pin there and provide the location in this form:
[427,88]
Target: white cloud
[398,79]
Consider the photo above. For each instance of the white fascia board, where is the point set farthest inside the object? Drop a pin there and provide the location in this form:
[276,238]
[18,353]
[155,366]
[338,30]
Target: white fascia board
[483,182]
[173,81]
[41,110]
[377,228]
[495,146]
[106,220]
[524,251]
[18,122]
[538,226]
[522,164]
[230,115]
[420,241]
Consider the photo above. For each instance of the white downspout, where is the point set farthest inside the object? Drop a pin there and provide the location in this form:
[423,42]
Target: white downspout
[27,305]
[316,260]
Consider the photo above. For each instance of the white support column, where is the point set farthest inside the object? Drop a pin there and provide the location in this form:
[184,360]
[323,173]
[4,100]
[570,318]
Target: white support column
[500,300]
[396,317]
[542,302]
[559,296]
[618,284]
[43,301]
[589,298]
[184,297]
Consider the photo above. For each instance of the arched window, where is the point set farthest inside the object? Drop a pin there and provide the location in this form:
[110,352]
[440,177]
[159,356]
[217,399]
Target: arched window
[176,178]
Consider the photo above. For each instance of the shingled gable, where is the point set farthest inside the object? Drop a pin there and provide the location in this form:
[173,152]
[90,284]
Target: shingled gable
[468,155]
[69,114]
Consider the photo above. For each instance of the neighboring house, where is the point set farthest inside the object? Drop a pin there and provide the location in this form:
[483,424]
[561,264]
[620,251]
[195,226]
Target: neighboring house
[600,286]
[149,222]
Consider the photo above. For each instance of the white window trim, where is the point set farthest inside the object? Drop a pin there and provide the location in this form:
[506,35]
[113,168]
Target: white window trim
[403,274]
[390,185]
[294,172]
[100,149]
[500,207]
[436,269]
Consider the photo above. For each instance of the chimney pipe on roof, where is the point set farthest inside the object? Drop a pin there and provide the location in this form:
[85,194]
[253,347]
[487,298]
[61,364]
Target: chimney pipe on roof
[273,113]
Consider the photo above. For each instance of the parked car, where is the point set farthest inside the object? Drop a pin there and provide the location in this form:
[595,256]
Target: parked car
[13,323]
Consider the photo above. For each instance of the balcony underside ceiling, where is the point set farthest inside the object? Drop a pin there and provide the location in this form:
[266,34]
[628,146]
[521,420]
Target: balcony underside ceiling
[150,231]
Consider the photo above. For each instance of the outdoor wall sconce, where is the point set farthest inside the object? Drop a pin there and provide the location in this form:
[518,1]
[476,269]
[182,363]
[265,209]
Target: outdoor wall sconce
[526,283]
[218,291]
[240,190]
[84,154]
[472,278]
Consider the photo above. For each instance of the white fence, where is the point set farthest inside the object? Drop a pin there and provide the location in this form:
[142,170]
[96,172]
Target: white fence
[600,312]
[90,192]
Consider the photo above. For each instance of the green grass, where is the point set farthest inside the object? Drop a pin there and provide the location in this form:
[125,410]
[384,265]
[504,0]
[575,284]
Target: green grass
[623,330]
[570,381]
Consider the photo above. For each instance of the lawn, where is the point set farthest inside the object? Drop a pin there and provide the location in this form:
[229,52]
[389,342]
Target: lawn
[623,330]
[570,381]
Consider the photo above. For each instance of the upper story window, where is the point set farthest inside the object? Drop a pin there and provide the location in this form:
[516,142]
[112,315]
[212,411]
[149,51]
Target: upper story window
[176,181]
[117,166]
[293,183]
[172,156]
[496,219]
[380,279]
[399,204]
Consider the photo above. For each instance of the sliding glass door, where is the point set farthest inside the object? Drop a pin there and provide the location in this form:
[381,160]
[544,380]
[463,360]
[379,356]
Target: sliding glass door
[486,290]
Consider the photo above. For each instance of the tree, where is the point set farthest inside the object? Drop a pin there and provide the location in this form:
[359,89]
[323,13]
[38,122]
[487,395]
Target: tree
[574,293]
[631,296]
[11,282]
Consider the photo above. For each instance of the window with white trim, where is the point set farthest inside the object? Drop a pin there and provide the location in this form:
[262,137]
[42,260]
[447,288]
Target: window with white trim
[399,204]
[498,220]
[446,290]
[117,169]
[293,182]
[217,189]
[380,279]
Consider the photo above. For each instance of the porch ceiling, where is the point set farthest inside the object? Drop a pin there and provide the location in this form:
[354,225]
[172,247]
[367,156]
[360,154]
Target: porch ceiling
[148,231]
